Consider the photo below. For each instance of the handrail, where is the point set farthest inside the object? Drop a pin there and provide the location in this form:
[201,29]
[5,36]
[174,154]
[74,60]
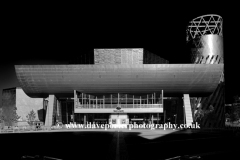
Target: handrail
[113,106]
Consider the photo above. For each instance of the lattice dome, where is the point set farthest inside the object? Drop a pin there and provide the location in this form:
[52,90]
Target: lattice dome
[203,25]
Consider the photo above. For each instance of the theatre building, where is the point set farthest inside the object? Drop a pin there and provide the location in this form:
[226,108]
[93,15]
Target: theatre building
[132,85]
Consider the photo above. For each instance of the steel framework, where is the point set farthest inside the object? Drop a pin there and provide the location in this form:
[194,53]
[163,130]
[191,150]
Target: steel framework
[203,25]
[205,38]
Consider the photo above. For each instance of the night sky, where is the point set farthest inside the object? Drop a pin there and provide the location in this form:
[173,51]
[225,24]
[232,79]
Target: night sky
[38,37]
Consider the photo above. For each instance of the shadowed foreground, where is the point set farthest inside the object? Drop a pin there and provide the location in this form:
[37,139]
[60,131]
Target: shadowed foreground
[120,144]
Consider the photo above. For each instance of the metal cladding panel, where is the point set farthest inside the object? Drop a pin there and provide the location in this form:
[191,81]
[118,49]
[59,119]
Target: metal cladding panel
[39,80]
[205,39]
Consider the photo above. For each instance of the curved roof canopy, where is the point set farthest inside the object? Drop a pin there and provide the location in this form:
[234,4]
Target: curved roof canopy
[61,80]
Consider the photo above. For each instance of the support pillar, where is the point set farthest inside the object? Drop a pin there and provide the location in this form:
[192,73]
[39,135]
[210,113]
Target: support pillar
[111,100]
[164,116]
[89,101]
[140,101]
[84,119]
[82,99]
[184,117]
[59,111]
[118,98]
[154,98]
[187,109]
[85,100]
[133,101]
[96,101]
[66,113]
[152,118]
[50,111]
[126,100]
[103,101]
[162,97]
[147,99]
[73,114]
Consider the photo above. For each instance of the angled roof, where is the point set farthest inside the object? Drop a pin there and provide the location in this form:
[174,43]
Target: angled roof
[41,80]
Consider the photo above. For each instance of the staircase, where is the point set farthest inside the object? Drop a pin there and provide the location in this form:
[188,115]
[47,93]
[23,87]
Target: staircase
[49,114]
[188,110]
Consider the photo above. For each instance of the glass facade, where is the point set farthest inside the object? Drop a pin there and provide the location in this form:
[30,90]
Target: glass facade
[114,100]
[67,111]
[124,101]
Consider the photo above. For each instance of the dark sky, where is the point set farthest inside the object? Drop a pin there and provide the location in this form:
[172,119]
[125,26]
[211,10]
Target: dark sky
[48,37]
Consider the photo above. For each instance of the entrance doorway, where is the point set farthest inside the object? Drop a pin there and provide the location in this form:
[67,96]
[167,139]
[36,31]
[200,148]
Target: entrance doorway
[119,119]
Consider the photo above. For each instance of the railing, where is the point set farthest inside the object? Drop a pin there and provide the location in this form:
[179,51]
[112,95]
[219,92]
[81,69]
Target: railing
[113,106]
[122,100]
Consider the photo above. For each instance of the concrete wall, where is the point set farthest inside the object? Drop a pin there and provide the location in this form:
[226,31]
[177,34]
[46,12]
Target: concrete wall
[25,104]
[8,105]
[118,56]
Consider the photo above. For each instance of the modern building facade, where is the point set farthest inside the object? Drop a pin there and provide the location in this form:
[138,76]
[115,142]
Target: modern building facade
[132,85]
[205,41]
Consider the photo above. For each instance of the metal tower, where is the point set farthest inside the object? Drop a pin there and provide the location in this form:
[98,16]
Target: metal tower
[204,34]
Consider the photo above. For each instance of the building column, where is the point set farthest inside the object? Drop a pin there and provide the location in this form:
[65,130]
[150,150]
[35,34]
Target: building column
[159,98]
[111,100]
[147,100]
[49,120]
[133,101]
[126,100]
[85,100]
[152,100]
[96,101]
[140,101]
[84,119]
[162,97]
[164,116]
[152,118]
[89,101]
[187,109]
[66,112]
[82,99]
[73,114]
[184,118]
[103,101]
[118,98]
[59,111]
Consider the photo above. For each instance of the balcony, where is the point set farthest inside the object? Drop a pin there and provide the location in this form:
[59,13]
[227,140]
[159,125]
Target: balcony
[114,106]
[125,108]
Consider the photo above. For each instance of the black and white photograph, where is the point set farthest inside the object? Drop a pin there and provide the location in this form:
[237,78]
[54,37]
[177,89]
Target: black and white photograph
[120,83]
